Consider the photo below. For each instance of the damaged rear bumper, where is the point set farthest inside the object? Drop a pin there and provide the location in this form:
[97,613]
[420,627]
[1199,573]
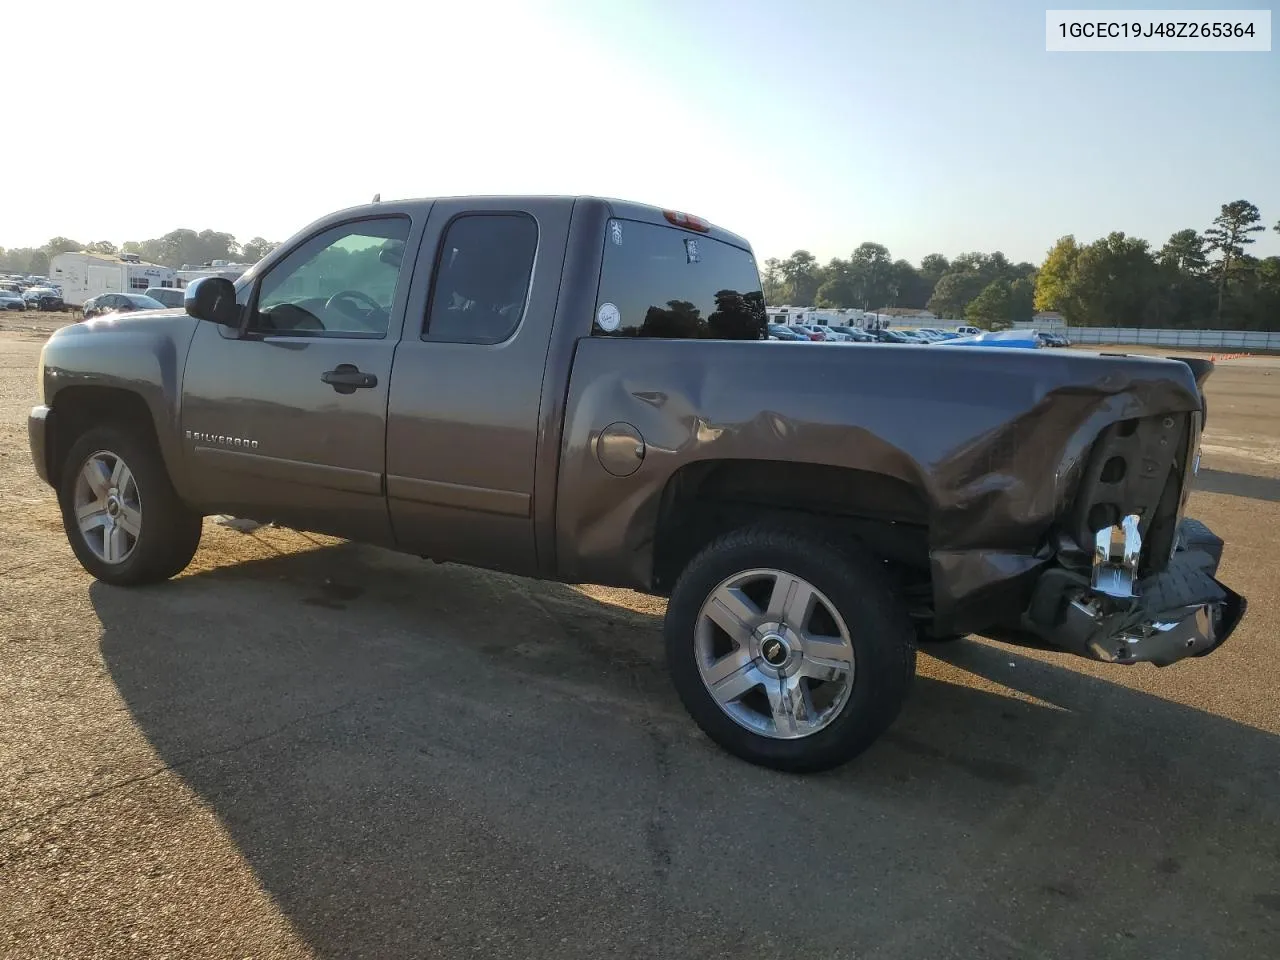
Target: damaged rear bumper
[1184,611]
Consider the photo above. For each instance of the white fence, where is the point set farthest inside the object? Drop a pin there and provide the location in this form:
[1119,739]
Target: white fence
[1207,339]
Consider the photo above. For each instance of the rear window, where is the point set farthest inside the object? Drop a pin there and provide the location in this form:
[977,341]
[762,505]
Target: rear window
[665,282]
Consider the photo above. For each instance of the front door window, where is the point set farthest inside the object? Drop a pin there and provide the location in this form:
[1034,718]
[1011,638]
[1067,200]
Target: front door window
[341,282]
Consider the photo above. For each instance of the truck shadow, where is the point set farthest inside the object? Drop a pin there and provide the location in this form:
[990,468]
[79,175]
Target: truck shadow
[1239,485]
[420,759]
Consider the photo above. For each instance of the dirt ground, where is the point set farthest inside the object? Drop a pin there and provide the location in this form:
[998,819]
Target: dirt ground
[303,748]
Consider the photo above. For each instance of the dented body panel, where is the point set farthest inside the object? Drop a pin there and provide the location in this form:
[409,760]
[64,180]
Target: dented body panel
[993,442]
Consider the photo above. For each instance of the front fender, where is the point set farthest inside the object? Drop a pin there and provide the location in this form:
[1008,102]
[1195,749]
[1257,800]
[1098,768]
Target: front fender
[140,355]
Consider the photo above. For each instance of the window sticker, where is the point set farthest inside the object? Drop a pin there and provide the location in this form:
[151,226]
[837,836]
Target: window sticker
[608,318]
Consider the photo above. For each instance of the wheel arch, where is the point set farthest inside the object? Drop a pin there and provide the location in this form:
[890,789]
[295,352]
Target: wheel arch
[78,408]
[707,498]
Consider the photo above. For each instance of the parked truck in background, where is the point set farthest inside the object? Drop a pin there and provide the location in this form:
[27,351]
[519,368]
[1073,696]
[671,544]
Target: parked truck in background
[584,390]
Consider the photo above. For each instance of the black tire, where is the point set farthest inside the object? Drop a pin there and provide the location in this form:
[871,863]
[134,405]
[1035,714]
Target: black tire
[169,533]
[882,635]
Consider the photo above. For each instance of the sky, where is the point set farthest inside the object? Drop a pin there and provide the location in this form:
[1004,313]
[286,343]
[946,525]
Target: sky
[926,125]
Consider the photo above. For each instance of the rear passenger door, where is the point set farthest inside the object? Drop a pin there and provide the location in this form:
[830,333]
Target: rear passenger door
[462,417]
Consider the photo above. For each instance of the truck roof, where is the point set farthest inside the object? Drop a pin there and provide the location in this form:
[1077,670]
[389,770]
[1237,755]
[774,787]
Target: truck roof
[620,209]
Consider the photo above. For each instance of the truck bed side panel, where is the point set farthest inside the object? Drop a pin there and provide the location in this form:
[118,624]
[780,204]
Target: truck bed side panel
[993,440]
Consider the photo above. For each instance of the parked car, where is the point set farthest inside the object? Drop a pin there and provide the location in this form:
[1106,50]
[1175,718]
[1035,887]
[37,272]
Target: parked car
[11,301]
[119,303]
[166,296]
[42,298]
[806,532]
[893,336]
[835,334]
[804,331]
[1016,339]
[781,331]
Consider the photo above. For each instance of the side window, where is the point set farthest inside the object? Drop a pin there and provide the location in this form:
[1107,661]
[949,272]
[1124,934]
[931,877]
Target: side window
[482,278]
[339,283]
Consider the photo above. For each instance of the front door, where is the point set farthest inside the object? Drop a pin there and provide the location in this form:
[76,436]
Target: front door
[288,421]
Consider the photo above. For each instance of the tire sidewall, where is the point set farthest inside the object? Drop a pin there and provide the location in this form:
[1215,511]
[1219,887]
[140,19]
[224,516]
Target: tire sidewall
[881,634]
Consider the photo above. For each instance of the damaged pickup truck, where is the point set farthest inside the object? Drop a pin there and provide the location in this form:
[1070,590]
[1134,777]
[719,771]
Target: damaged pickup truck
[582,390]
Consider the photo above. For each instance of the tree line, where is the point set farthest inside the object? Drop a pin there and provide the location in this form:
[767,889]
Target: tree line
[1196,280]
[172,250]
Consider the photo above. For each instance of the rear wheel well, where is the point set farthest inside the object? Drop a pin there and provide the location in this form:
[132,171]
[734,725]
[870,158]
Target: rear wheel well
[76,409]
[704,500]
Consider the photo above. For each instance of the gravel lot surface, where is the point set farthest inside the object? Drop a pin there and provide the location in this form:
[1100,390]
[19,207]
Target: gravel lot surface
[304,748]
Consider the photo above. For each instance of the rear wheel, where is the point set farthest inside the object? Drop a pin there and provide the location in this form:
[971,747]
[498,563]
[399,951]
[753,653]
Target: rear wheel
[787,649]
[123,519]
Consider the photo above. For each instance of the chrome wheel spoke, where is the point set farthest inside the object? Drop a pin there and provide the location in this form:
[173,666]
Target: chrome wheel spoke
[732,676]
[792,709]
[826,658]
[820,668]
[97,476]
[121,477]
[130,520]
[733,613]
[90,508]
[91,517]
[791,600]
[828,648]
[115,545]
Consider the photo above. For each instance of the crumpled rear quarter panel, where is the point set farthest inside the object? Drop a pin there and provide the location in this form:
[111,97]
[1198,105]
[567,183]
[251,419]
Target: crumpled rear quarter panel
[993,440]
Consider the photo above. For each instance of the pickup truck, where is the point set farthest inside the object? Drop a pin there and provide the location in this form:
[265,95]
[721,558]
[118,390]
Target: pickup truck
[584,391]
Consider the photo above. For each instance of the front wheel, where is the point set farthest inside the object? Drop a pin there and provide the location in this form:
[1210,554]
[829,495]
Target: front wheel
[124,521]
[789,650]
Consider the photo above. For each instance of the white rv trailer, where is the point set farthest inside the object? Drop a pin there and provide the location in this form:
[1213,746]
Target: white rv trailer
[83,276]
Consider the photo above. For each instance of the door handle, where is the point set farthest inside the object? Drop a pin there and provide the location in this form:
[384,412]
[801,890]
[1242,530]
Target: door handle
[347,378]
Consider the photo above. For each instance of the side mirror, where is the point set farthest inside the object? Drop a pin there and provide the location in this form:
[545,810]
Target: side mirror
[213,299]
